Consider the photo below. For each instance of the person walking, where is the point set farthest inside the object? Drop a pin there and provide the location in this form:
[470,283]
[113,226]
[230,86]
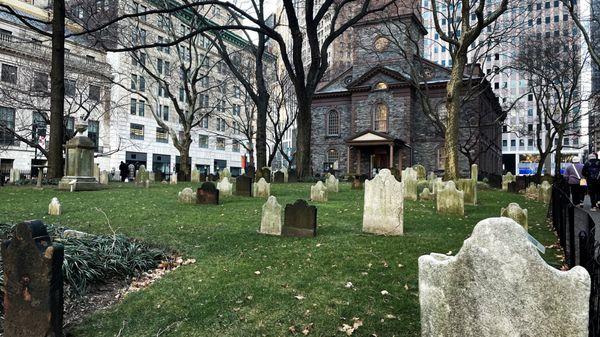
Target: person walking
[573,175]
[124,171]
[591,172]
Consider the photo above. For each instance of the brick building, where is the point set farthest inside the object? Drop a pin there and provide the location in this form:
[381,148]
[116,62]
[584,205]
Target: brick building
[371,116]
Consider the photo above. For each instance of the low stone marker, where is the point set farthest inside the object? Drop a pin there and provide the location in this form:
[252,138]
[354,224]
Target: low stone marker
[225,187]
[243,186]
[499,286]
[300,220]
[426,195]
[545,192]
[515,212]
[384,206]
[279,177]
[97,172]
[409,180]
[318,192]
[15,175]
[506,179]
[195,176]
[104,178]
[54,208]
[284,170]
[207,194]
[186,196]
[532,191]
[33,283]
[450,200]
[173,180]
[332,184]
[270,222]
[261,189]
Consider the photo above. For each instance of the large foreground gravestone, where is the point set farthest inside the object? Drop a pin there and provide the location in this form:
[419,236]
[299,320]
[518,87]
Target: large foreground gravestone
[318,192]
[261,189]
[186,196]
[270,222]
[450,200]
[332,184]
[79,162]
[33,283]
[207,194]
[384,205]
[515,212]
[499,286]
[300,220]
[225,187]
[243,186]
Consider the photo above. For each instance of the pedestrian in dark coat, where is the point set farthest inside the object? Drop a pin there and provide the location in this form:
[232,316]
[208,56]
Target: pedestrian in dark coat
[124,171]
[591,172]
[573,175]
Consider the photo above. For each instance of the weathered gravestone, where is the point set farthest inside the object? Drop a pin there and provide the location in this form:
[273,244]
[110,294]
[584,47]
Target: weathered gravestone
[357,183]
[54,208]
[225,173]
[270,222]
[474,172]
[142,176]
[421,172]
[97,172]
[131,172]
[15,175]
[243,186]
[186,196]
[450,200]
[284,170]
[532,191]
[104,178]
[33,283]
[213,177]
[265,173]
[515,212]
[409,180]
[384,205]
[225,187]
[79,173]
[318,192]
[279,177]
[300,220]
[506,179]
[195,178]
[173,180]
[426,195]
[545,192]
[498,285]
[261,189]
[207,194]
[332,184]
[469,187]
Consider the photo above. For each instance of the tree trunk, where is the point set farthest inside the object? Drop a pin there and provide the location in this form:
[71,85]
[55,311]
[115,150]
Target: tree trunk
[184,155]
[541,164]
[558,157]
[261,133]
[303,121]
[453,97]
[57,92]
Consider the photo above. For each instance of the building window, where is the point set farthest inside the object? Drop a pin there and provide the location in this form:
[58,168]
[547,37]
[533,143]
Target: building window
[136,131]
[94,93]
[236,110]
[380,118]
[133,106]
[70,86]
[203,141]
[7,126]
[162,136]
[332,156]
[40,82]
[235,147]
[38,125]
[9,74]
[220,143]
[94,132]
[333,123]
[133,82]
[165,112]
[221,124]
[441,158]
[141,108]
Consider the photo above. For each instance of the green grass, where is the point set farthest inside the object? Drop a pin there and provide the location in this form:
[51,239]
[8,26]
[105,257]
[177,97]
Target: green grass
[220,295]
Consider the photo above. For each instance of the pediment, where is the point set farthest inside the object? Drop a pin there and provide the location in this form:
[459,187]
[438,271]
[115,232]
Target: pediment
[376,75]
[369,137]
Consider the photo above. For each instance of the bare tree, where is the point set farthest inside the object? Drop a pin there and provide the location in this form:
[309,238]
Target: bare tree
[282,116]
[587,25]
[553,69]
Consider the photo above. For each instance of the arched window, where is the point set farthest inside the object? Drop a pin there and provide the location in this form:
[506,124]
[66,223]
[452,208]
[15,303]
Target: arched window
[380,118]
[332,156]
[441,158]
[333,123]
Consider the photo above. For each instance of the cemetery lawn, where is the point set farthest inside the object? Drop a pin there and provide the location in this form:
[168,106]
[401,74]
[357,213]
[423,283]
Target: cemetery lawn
[246,284]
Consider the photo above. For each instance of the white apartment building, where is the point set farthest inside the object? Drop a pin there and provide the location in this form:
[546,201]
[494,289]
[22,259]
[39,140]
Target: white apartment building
[128,130]
[546,18]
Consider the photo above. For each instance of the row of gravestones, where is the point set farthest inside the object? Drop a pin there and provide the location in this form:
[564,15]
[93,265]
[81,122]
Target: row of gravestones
[209,193]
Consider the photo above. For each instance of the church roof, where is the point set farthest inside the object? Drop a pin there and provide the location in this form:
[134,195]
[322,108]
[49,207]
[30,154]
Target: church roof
[370,137]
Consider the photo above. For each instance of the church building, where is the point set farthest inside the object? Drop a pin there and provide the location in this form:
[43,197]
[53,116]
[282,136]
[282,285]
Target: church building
[381,112]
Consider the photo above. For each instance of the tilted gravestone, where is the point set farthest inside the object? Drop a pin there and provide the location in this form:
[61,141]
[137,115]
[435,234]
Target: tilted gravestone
[450,200]
[332,184]
[498,285]
[186,196]
[243,186]
[279,177]
[384,205]
[300,220]
[318,192]
[261,189]
[33,283]
[271,217]
[225,187]
[207,194]
[515,212]
[54,208]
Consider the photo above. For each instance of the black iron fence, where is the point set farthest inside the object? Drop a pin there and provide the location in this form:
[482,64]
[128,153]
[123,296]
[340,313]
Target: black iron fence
[579,234]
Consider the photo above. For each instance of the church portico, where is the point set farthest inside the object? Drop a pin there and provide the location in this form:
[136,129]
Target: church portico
[371,151]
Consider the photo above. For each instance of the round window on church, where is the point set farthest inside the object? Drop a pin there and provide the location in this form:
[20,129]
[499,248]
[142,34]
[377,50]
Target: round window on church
[381,86]
[381,43]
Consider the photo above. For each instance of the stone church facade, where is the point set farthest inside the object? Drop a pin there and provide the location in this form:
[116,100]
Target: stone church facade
[371,116]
